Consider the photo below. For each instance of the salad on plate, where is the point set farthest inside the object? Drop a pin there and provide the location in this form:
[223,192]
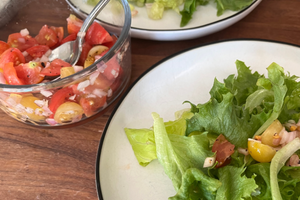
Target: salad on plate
[185,8]
[243,143]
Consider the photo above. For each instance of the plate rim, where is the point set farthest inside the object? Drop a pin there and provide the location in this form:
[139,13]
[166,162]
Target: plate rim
[77,9]
[130,87]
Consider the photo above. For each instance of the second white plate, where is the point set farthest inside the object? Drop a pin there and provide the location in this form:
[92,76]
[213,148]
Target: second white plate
[188,75]
[205,21]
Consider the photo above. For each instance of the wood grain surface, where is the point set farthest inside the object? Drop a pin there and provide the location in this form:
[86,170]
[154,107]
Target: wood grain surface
[60,163]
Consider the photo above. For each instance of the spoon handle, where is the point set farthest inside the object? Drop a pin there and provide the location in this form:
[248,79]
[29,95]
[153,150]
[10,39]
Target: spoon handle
[90,18]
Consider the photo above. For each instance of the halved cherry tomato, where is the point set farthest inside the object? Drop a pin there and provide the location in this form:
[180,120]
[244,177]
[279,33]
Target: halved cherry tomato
[10,74]
[96,34]
[16,40]
[223,149]
[13,55]
[37,51]
[58,98]
[3,46]
[68,111]
[54,68]
[29,73]
[260,152]
[74,24]
[47,36]
[91,104]
[69,38]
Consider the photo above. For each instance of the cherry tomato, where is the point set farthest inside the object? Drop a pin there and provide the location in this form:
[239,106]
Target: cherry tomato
[10,74]
[16,40]
[59,32]
[268,135]
[74,24]
[69,38]
[223,149]
[3,46]
[37,51]
[66,71]
[260,152]
[28,102]
[58,98]
[29,73]
[68,111]
[96,34]
[91,104]
[13,55]
[47,36]
[96,50]
[113,68]
[111,43]
[54,68]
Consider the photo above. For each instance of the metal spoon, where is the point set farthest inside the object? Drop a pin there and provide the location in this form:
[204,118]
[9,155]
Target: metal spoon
[70,51]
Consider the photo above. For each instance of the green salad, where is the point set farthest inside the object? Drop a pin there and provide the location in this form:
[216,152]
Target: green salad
[243,143]
[156,8]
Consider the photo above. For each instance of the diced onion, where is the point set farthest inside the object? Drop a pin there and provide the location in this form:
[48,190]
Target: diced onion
[77,68]
[51,121]
[83,84]
[209,162]
[109,92]
[25,53]
[100,93]
[46,93]
[101,66]
[243,151]
[24,32]
[21,40]
[93,77]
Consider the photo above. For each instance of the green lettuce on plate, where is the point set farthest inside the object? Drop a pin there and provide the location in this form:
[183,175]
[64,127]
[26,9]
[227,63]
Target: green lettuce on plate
[240,107]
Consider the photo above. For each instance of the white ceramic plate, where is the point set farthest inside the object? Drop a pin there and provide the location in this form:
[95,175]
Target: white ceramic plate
[188,75]
[205,21]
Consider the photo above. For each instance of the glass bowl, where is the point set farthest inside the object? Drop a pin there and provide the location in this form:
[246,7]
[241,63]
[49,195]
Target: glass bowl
[81,91]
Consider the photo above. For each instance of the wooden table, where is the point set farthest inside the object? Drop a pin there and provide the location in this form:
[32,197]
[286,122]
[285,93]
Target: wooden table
[60,163]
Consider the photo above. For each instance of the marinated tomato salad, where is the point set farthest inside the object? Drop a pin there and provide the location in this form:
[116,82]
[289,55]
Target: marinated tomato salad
[241,144]
[24,61]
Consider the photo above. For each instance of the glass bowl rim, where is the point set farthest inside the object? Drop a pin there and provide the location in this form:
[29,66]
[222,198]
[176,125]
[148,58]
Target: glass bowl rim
[83,73]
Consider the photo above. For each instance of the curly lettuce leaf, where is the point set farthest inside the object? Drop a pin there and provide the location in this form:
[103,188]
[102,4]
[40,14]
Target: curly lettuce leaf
[197,185]
[235,185]
[178,153]
[234,5]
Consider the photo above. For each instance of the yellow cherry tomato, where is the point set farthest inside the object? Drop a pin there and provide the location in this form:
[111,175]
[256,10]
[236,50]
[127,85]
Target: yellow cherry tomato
[268,135]
[260,152]
[28,102]
[66,71]
[68,111]
[96,50]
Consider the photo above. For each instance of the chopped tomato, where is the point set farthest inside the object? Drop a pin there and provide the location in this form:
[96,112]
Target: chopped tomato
[3,46]
[16,40]
[54,68]
[58,98]
[74,24]
[69,38]
[91,104]
[10,74]
[111,43]
[29,73]
[47,36]
[59,32]
[223,149]
[96,34]
[113,68]
[13,55]
[37,51]
[86,47]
